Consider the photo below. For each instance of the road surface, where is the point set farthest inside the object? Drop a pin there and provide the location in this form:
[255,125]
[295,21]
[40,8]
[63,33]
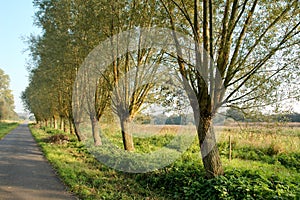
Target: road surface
[24,172]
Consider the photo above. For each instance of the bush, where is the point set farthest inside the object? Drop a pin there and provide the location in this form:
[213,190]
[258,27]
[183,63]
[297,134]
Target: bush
[58,139]
[291,160]
[236,184]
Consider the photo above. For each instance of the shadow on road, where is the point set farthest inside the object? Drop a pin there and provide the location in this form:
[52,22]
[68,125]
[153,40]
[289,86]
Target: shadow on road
[24,172]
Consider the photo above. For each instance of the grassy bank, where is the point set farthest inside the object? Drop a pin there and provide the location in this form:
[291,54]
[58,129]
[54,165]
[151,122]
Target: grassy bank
[258,169]
[6,127]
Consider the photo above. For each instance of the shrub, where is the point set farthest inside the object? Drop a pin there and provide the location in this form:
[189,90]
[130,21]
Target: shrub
[58,139]
[291,160]
[236,184]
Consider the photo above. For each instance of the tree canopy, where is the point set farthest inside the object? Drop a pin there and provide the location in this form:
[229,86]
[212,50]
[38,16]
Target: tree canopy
[6,98]
[244,54]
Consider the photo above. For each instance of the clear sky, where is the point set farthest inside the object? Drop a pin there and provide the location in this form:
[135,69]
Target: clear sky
[16,21]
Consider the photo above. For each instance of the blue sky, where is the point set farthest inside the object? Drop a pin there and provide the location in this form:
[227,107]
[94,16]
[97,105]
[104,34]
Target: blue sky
[16,21]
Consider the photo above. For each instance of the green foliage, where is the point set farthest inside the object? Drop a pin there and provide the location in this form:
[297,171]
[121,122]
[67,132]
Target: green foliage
[269,154]
[235,114]
[183,183]
[254,173]
[84,175]
[254,45]
[291,160]
[6,99]
[293,117]
[5,128]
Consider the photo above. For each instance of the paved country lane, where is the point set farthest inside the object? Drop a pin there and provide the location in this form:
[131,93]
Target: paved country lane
[24,172]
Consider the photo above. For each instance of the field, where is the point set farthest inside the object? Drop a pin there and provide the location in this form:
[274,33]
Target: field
[264,164]
[6,127]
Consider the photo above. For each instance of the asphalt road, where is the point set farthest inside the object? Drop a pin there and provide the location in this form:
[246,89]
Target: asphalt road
[24,172]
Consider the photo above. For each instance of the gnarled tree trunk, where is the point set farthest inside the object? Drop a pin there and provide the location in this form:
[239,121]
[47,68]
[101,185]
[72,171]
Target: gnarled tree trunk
[209,149]
[127,137]
[55,122]
[62,124]
[77,131]
[95,129]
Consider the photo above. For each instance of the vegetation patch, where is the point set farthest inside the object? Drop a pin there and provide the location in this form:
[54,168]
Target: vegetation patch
[291,160]
[85,176]
[263,181]
[253,173]
[58,139]
[5,128]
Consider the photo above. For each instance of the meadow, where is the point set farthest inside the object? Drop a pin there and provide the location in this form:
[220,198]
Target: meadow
[6,127]
[264,163]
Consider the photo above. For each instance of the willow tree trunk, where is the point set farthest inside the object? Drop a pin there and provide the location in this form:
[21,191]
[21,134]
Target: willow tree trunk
[51,122]
[65,125]
[77,131]
[95,129]
[71,126]
[209,149]
[55,122]
[62,124]
[127,137]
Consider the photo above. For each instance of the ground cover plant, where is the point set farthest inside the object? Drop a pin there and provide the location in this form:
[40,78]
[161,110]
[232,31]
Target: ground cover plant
[264,165]
[6,127]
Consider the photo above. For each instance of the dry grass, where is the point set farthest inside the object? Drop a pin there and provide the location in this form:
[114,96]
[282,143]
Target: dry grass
[264,135]
[281,139]
[148,130]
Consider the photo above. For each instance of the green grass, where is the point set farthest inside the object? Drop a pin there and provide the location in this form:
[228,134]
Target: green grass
[85,176]
[263,169]
[5,128]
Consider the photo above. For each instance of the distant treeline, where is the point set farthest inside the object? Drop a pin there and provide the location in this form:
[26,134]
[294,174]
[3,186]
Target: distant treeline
[164,119]
[294,117]
[219,118]
[240,116]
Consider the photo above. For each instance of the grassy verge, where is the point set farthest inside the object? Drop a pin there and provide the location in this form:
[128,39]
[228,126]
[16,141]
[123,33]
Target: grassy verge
[85,176]
[270,174]
[5,128]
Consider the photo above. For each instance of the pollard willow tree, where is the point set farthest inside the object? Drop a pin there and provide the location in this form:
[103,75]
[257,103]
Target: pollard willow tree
[127,95]
[250,46]
[70,30]
[54,60]
[132,69]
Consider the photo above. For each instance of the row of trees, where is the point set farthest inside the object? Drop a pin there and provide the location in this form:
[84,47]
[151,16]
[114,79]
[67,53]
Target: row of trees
[294,117]
[240,116]
[243,54]
[6,99]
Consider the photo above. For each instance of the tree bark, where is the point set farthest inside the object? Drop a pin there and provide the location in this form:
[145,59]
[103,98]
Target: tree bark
[55,122]
[78,134]
[71,126]
[65,126]
[62,124]
[127,138]
[209,149]
[95,129]
[51,122]
[39,123]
